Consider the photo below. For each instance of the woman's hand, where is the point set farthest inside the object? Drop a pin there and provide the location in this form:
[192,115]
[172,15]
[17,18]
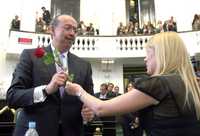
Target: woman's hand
[73,88]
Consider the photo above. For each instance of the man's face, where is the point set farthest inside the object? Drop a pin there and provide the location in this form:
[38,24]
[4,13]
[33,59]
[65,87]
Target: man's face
[110,87]
[65,32]
[129,87]
[103,89]
[116,89]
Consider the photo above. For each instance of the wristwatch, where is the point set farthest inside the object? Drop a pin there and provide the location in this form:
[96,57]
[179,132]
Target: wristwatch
[44,91]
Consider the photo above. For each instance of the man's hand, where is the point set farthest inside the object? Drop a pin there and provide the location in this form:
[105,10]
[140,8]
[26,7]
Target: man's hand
[87,114]
[57,80]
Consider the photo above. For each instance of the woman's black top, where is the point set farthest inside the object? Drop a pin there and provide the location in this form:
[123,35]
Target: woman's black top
[171,117]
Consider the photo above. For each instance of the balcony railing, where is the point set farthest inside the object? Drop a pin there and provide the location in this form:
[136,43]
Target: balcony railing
[98,46]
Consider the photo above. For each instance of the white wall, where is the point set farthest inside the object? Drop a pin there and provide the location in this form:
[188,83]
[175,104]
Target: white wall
[104,14]
[115,76]
[182,10]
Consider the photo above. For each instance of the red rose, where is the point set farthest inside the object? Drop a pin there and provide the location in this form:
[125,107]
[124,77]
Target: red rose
[39,52]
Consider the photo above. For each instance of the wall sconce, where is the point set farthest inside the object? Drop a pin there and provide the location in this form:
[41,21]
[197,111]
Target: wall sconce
[107,61]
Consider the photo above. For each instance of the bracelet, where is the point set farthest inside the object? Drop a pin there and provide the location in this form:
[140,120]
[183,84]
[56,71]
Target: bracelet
[80,93]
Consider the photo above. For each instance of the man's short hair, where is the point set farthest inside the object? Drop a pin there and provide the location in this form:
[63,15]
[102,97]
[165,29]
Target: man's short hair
[105,85]
[54,22]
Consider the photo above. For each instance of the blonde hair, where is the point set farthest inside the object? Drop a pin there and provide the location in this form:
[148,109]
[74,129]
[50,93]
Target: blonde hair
[172,57]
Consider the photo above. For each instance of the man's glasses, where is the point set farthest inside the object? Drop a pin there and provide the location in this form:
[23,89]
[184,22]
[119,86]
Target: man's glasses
[70,29]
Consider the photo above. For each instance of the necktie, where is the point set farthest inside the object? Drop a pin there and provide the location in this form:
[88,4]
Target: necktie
[64,66]
[61,90]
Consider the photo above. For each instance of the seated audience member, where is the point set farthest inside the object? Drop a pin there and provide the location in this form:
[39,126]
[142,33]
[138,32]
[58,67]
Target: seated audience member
[15,25]
[196,23]
[110,90]
[103,94]
[81,28]
[97,32]
[159,27]
[130,28]
[165,26]
[150,28]
[90,29]
[120,29]
[137,29]
[172,25]
[116,91]
[168,100]
[40,24]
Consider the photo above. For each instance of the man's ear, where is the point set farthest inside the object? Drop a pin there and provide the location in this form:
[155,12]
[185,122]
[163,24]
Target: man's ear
[51,30]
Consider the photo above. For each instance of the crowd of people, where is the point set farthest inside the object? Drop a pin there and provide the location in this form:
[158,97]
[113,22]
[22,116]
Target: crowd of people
[133,27]
[130,122]
[83,29]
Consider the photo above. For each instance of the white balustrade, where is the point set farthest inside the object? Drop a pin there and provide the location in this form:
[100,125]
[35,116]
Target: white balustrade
[99,46]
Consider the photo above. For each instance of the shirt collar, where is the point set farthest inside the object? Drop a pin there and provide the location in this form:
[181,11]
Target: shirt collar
[53,49]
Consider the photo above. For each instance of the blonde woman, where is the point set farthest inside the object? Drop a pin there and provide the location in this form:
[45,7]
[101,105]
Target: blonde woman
[168,100]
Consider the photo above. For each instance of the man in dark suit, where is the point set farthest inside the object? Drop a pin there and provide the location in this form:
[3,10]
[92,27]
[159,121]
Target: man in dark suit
[116,91]
[36,86]
[103,94]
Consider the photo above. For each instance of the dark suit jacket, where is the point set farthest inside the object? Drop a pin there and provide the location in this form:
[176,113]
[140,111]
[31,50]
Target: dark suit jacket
[32,72]
[108,95]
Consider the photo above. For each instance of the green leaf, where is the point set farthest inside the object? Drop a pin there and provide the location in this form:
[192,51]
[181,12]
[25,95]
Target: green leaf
[48,58]
[71,77]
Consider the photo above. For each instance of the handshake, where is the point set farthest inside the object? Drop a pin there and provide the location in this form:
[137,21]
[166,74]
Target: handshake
[63,79]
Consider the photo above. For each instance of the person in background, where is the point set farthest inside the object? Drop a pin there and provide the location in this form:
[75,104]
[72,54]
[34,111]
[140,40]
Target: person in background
[38,88]
[40,25]
[116,91]
[196,22]
[120,29]
[168,100]
[81,28]
[130,121]
[110,90]
[90,30]
[15,24]
[46,16]
[103,94]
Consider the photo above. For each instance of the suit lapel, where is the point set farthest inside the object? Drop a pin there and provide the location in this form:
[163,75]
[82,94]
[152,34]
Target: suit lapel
[70,63]
[51,68]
